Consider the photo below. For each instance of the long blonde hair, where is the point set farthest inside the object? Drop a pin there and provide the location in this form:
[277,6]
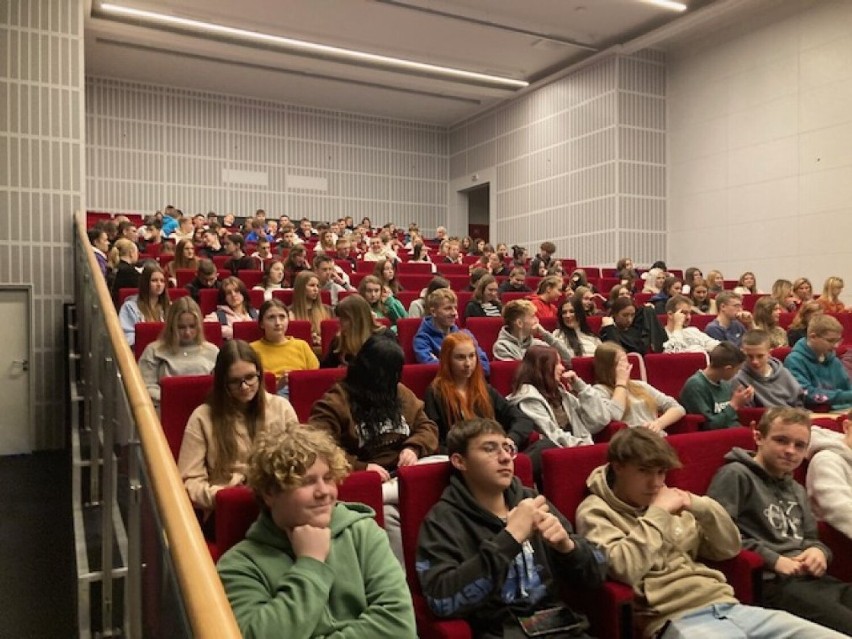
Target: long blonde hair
[356,311]
[606,356]
[169,337]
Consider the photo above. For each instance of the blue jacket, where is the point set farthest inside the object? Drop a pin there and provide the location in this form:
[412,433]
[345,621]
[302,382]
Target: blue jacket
[428,340]
[734,333]
[827,377]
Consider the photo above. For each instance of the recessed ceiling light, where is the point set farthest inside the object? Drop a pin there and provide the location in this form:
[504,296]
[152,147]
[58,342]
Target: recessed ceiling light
[313,48]
[668,4]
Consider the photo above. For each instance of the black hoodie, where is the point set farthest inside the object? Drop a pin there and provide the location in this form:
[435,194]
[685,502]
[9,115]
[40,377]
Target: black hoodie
[470,566]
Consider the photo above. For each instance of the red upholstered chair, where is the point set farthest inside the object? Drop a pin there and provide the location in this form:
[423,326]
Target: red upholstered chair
[306,387]
[363,266]
[701,321]
[124,293]
[208,299]
[502,375]
[250,277]
[223,274]
[485,330]
[585,367]
[184,276]
[219,261]
[345,265]
[453,269]
[407,297]
[247,331]
[415,267]
[780,352]
[458,282]
[668,372]
[284,294]
[328,331]
[414,281]
[213,333]
[750,299]
[146,332]
[417,377]
[236,508]
[564,473]
[406,329]
[256,297]
[785,319]
[177,293]
[420,488]
[841,548]
[508,296]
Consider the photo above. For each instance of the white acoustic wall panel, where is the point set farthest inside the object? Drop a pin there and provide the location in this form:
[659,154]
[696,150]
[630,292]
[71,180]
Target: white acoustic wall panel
[148,146]
[41,169]
[580,162]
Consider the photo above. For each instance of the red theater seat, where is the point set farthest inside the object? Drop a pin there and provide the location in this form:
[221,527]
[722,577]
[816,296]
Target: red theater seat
[306,387]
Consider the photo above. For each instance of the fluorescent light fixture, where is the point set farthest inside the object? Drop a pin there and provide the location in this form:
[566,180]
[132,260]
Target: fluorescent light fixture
[668,4]
[312,48]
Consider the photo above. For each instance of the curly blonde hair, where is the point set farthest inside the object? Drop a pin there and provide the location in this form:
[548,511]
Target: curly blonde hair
[280,459]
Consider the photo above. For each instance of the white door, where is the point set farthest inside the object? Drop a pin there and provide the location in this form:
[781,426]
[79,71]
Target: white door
[15,426]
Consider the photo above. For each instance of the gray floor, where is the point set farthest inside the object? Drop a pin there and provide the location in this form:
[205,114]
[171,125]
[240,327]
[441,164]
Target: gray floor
[37,571]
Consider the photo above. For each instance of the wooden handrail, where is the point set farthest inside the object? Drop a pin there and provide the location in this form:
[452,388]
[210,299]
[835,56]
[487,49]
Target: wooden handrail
[204,597]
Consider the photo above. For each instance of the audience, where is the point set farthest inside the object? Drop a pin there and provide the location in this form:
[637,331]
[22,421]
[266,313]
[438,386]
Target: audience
[329,278]
[273,279]
[772,513]
[782,290]
[418,306]
[179,350]
[635,332]
[521,329]
[798,328]
[815,365]
[124,272]
[493,552]
[234,246]
[715,282]
[709,392]
[149,305]
[830,298]
[573,332]
[548,292]
[220,432]
[747,284]
[382,306]
[683,338]
[701,300]
[357,325]
[206,276]
[654,536]
[486,299]
[185,259]
[307,305]
[634,402]
[441,321]
[732,321]
[516,282]
[545,254]
[829,479]
[803,290]
[234,306]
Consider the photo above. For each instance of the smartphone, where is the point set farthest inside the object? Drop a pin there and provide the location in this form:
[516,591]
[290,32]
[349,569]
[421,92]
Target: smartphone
[551,621]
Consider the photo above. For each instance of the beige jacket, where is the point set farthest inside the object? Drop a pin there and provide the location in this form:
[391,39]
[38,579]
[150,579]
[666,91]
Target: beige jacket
[655,552]
[196,463]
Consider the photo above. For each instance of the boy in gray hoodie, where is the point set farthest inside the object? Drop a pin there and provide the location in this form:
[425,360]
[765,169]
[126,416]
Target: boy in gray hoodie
[772,512]
[773,384]
[520,326]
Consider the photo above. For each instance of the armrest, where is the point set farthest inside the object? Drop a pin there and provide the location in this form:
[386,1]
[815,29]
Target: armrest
[609,609]
[431,627]
[742,573]
[686,424]
[608,431]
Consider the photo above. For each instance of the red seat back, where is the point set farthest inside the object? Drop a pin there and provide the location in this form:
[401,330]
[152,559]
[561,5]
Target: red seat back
[306,387]
[328,331]
[701,454]
[406,328]
[177,293]
[668,372]
[208,298]
[485,330]
[417,377]
[179,396]
[146,332]
[564,472]
[502,375]
[250,277]
[285,295]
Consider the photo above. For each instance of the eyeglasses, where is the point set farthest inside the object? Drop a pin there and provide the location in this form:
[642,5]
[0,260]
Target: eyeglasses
[236,383]
[831,340]
[493,449]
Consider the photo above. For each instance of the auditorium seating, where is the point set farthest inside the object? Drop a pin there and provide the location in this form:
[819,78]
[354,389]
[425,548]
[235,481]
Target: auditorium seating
[485,330]
[147,332]
[250,331]
[417,377]
[668,372]
[306,387]
[420,488]
[406,329]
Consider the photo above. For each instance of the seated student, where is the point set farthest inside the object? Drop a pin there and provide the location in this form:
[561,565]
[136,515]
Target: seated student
[636,331]
[709,392]
[310,562]
[516,282]
[460,392]
[370,288]
[220,432]
[521,329]
[803,290]
[418,306]
[798,328]
[701,300]
[767,311]
[782,290]
[205,277]
[357,325]
[179,350]
[549,291]
[772,513]
[772,383]
[747,284]
[683,338]
[542,390]
[816,366]
[149,305]
[632,401]
[829,480]
[654,280]
[584,297]
[731,322]
[185,258]
[295,263]
[830,298]
[238,260]
[234,306]
[671,286]
[543,258]
[654,537]
[490,550]
[715,282]
[123,269]
[281,353]
[273,279]
[329,278]
[212,247]
[100,245]
[625,270]
[307,306]
[262,253]
[441,321]
[573,332]
[691,278]
[486,299]
[619,290]
[577,280]
[378,422]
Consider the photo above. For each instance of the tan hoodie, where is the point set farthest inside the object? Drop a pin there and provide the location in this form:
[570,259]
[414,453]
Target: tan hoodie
[655,552]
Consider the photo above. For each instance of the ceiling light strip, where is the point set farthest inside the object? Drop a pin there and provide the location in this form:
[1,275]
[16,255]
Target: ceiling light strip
[668,4]
[303,46]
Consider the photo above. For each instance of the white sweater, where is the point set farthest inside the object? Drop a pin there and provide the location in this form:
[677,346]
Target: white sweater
[829,481]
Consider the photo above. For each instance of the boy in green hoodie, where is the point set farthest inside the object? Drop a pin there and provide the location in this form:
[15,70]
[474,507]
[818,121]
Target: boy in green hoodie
[310,566]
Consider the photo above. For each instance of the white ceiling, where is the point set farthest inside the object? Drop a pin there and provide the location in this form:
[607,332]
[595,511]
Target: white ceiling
[522,39]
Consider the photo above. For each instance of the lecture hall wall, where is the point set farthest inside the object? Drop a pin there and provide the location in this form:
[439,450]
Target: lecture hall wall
[760,146]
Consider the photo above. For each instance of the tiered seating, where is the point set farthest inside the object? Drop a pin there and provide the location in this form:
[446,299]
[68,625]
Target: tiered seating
[147,332]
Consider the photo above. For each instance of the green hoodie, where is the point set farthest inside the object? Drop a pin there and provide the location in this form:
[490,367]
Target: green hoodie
[358,592]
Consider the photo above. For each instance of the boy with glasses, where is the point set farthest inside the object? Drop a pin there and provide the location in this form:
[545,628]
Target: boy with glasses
[491,551]
[814,364]
[732,321]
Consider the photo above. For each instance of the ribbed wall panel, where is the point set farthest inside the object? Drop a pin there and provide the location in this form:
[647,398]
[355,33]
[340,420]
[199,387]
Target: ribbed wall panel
[41,168]
[148,146]
[578,159]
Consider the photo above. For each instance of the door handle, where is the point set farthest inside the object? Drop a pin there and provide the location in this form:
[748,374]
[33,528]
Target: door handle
[23,363]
